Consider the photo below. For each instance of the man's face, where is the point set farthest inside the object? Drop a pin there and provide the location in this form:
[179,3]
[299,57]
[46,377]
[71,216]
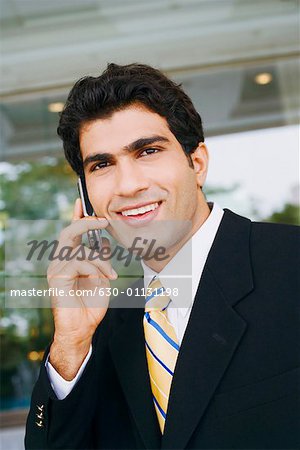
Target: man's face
[131,160]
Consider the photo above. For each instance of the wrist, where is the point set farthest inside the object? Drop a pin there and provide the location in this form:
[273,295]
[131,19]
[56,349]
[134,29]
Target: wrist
[71,346]
[67,358]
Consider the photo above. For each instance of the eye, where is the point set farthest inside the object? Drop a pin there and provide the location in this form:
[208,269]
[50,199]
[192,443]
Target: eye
[99,166]
[149,151]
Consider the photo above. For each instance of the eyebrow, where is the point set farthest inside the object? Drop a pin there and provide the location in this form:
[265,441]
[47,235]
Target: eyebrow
[130,148]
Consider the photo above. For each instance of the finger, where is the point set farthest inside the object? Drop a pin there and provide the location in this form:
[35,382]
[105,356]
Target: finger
[105,248]
[76,269]
[83,253]
[102,259]
[81,269]
[70,236]
[78,210]
[69,293]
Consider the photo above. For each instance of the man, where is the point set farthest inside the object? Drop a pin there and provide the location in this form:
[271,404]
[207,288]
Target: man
[216,367]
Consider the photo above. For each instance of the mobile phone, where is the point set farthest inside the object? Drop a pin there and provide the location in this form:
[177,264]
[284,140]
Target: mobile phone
[94,236]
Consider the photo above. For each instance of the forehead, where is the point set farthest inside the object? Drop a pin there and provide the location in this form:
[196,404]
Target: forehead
[121,129]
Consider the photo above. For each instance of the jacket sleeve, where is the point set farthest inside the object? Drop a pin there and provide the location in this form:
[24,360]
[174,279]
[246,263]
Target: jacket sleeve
[67,423]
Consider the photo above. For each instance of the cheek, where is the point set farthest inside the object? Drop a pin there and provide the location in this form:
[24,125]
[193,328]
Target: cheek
[99,199]
[181,194]
[181,177]
[188,193]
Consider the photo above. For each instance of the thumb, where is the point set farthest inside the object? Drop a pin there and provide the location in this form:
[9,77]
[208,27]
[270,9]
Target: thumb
[106,251]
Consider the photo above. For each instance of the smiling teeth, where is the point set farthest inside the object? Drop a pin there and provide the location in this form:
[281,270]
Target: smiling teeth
[142,210]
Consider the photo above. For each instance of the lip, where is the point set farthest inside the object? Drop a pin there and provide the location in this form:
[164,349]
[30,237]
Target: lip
[137,221]
[138,205]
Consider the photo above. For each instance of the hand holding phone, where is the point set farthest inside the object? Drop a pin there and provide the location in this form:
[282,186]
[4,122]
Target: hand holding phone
[94,236]
[77,314]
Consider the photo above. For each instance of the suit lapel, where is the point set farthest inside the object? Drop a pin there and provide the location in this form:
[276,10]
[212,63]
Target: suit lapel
[213,333]
[128,352]
[212,336]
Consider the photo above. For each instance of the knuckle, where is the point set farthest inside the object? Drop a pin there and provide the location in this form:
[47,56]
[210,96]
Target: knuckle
[63,234]
[51,270]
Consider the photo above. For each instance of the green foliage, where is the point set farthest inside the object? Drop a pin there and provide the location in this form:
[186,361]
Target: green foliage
[35,190]
[42,189]
[289,214]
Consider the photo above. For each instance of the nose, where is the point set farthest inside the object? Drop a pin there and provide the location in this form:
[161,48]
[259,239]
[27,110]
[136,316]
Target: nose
[130,179]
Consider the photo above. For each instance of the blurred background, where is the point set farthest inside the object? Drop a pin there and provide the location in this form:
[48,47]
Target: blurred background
[237,59]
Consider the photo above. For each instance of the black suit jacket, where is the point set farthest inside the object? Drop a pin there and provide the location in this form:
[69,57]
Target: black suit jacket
[236,380]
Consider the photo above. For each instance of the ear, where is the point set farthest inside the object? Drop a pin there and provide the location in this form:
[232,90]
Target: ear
[200,160]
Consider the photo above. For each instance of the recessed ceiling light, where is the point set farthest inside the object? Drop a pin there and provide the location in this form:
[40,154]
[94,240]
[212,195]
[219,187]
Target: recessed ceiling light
[263,78]
[55,107]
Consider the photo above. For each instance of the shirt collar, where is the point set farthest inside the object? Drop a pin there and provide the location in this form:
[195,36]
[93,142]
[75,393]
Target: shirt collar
[184,271]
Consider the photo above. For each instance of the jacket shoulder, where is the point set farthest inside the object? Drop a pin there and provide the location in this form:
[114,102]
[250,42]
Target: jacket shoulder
[275,249]
[276,236]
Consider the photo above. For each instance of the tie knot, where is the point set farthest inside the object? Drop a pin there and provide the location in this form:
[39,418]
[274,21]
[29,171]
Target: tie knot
[156,297]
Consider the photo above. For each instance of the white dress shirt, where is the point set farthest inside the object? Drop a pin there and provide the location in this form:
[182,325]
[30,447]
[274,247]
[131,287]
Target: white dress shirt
[180,276]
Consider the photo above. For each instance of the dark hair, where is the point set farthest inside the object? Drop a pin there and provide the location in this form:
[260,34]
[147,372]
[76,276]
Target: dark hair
[116,88]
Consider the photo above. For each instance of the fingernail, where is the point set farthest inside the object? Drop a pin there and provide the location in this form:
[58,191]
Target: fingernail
[114,273]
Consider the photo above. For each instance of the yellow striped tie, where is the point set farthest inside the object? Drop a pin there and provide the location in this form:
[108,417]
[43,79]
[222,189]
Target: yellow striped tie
[161,348]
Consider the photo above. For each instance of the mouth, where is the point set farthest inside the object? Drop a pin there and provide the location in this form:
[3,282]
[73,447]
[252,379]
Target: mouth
[140,215]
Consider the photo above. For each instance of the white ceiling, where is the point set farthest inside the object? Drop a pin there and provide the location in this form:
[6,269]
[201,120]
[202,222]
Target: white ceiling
[214,46]
[51,43]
